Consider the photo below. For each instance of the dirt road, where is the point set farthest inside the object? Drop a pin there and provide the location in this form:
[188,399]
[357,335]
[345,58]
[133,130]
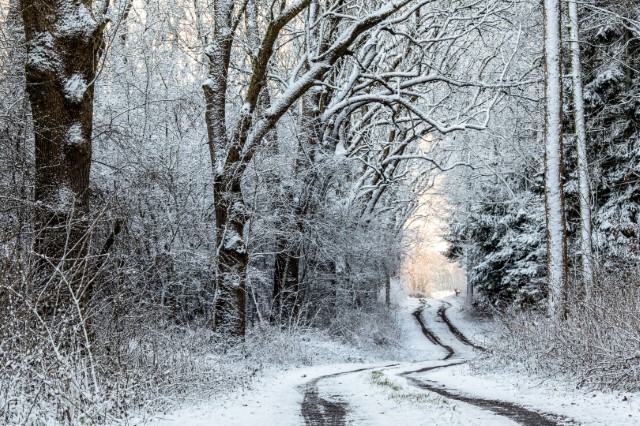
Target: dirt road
[334,409]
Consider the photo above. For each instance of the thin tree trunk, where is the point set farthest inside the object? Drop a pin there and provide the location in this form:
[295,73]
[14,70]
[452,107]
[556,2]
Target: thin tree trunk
[554,194]
[286,287]
[63,40]
[387,285]
[583,164]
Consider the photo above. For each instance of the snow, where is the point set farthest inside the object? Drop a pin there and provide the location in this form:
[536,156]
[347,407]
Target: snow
[41,54]
[209,83]
[273,399]
[593,408]
[387,397]
[546,395]
[276,398]
[234,242]
[373,404]
[219,169]
[75,87]
[76,20]
[606,77]
[74,134]
[64,199]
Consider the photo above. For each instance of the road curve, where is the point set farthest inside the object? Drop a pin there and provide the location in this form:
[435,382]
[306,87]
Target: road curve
[517,413]
[318,411]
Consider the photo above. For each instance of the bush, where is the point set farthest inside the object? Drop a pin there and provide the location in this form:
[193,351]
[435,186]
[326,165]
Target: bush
[597,347]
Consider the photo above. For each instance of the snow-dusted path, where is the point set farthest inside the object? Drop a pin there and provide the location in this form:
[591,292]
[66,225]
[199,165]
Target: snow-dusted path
[437,388]
[335,411]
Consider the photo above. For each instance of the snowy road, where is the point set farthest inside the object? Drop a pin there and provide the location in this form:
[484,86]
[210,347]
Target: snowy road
[437,388]
[319,411]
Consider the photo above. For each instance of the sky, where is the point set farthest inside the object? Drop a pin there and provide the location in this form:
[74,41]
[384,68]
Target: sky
[426,268]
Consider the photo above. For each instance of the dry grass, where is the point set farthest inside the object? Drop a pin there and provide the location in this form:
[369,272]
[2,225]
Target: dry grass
[597,347]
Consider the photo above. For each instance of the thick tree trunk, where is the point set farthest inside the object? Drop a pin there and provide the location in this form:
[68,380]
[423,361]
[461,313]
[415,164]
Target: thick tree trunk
[554,194]
[63,41]
[583,163]
[232,258]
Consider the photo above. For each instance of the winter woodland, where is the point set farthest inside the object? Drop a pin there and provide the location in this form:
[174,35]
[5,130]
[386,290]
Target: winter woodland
[194,193]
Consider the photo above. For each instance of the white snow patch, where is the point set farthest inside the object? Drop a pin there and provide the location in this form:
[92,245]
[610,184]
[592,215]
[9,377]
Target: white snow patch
[219,167]
[210,50]
[234,242]
[74,134]
[551,396]
[379,405]
[41,54]
[76,21]
[209,83]
[75,87]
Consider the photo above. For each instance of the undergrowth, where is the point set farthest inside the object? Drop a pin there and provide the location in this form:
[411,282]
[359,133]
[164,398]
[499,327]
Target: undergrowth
[152,371]
[596,347]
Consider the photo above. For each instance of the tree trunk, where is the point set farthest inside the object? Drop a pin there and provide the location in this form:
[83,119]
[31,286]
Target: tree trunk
[63,41]
[583,164]
[286,286]
[286,280]
[387,285]
[554,194]
[232,257]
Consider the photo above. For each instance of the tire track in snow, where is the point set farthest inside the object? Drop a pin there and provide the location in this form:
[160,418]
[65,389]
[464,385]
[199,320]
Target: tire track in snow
[430,335]
[318,411]
[442,313]
[512,411]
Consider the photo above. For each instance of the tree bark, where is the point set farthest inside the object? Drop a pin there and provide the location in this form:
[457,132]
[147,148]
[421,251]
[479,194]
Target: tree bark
[232,257]
[387,285]
[286,286]
[63,41]
[583,163]
[231,254]
[554,194]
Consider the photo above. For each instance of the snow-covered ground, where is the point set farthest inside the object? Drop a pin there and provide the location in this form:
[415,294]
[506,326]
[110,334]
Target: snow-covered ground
[379,393]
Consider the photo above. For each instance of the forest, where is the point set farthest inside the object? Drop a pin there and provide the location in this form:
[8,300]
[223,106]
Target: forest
[198,196]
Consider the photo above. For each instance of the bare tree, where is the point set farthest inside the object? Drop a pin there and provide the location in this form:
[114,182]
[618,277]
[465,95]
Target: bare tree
[230,154]
[554,194]
[581,145]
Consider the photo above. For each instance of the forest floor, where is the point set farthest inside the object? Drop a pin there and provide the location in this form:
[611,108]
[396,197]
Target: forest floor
[438,387]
